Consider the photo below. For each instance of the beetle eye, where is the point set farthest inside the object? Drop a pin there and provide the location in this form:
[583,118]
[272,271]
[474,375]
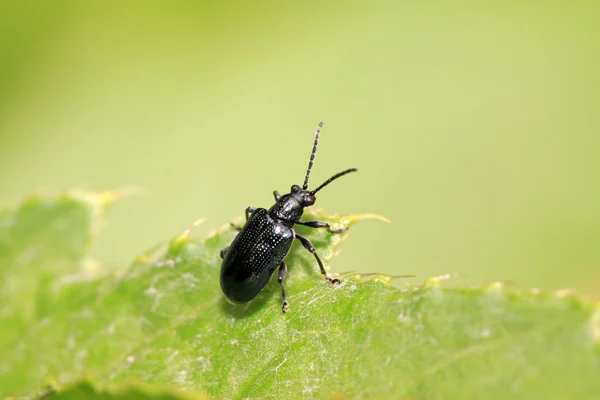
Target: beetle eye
[295,188]
[309,200]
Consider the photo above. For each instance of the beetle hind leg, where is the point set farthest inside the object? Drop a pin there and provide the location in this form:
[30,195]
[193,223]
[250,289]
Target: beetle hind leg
[280,277]
[309,246]
[235,226]
[224,251]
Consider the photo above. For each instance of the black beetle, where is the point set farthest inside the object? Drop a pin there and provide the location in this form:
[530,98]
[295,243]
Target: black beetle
[266,238]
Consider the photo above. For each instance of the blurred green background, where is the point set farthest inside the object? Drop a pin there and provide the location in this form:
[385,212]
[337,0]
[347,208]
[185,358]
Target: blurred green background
[474,125]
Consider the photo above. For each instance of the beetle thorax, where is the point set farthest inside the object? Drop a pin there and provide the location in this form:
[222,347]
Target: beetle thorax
[290,207]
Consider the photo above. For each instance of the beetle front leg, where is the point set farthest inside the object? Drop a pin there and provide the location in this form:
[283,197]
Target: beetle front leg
[309,246]
[249,212]
[280,277]
[321,224]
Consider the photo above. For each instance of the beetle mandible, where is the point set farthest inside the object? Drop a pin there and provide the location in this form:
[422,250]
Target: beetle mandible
[266,238]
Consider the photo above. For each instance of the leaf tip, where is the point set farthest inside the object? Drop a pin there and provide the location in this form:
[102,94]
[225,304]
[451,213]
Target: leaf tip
[560,293]
[362,217]
[184,237]
[494,287]
[109,197]
[141,259]
[437,281]
[177,242]
[376,277]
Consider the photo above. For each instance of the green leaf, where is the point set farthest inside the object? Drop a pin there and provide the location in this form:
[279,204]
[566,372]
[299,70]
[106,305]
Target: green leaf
[43,244]
[165,322]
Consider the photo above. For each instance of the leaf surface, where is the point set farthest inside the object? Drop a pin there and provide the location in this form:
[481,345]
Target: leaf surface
[164,321]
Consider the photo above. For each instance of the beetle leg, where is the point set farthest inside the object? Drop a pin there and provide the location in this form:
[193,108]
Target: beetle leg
[249,211]
[276,195]
[309,246]
[224,251]
[280,277]
[321,224]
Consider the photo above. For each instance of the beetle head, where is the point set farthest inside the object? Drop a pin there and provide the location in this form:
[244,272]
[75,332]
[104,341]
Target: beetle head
[304,197]
[290,207]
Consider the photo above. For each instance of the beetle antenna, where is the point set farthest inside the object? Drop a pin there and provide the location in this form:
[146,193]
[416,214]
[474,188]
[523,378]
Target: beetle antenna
[312,155]
[333,178]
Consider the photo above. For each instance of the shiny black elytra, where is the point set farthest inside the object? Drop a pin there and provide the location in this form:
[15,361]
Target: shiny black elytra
[267,237]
